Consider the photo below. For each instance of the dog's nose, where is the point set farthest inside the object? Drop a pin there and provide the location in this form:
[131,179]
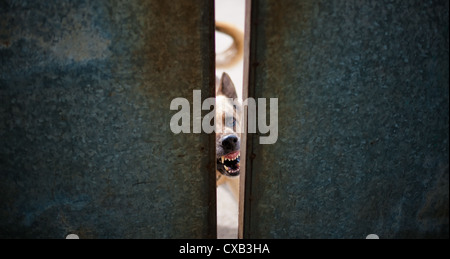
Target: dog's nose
[229,143]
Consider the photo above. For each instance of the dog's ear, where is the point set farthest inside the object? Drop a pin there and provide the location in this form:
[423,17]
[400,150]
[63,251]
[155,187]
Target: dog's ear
[226,87]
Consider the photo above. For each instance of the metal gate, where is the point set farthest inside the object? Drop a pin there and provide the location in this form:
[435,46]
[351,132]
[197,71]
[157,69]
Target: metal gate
[363,116]
[85,142]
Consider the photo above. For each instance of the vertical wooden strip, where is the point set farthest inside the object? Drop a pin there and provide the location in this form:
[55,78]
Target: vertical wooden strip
[251,36]
[245,85]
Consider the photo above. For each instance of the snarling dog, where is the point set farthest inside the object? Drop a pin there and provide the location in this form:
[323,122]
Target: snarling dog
[228,136]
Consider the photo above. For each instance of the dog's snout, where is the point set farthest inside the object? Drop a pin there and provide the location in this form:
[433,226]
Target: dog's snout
[230,143]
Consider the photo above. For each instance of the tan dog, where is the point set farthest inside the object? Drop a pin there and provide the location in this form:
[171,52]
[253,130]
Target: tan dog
[227,138]
[227,134]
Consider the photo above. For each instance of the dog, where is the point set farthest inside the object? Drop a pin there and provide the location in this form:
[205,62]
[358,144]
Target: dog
[228,137]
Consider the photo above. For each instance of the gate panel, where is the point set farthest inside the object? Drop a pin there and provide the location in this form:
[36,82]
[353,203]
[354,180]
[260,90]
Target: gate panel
[85,142]
[362,90]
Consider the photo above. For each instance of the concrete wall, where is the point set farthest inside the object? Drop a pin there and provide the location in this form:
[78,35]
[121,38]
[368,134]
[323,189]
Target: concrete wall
[85,142]
[363,146]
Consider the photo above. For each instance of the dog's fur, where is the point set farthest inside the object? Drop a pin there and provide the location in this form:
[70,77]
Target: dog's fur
[234,53]
[228,137]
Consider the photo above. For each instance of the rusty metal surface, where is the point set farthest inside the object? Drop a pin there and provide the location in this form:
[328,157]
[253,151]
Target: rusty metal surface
[85,142]
[363,144]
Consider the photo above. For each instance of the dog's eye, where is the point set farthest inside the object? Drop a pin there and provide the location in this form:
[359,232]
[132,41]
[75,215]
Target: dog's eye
[231,122]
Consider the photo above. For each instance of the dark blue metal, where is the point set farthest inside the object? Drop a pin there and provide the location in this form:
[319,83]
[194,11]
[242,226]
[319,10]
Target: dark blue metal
[85,142]
[363,145]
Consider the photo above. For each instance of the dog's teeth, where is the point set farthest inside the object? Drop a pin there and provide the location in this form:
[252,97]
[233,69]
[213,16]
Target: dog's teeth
[226,168]
[222,159]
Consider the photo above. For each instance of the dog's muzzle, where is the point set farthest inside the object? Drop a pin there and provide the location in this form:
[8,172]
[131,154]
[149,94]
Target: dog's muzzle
[229,164]
[229,156]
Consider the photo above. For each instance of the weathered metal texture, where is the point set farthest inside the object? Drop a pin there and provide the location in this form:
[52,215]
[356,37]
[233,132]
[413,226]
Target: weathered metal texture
[85,142]
[363,144]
